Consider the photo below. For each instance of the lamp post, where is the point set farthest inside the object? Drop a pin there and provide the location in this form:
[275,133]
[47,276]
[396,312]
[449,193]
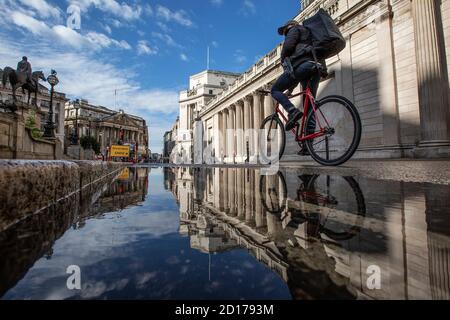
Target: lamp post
[75,136]
[50,125]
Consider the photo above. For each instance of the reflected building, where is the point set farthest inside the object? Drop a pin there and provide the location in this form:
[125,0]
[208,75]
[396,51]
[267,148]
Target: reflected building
[323,234]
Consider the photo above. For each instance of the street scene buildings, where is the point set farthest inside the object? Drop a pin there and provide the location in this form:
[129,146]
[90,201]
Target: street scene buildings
[165,195]
[107,126]
[394,68]
[72,120]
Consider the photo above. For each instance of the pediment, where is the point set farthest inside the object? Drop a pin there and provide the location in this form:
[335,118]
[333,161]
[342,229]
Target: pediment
[122,119]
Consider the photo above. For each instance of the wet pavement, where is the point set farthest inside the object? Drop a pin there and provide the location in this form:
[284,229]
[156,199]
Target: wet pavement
[232,233]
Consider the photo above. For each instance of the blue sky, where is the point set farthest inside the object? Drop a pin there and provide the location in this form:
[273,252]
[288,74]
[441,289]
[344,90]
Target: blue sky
[145,50]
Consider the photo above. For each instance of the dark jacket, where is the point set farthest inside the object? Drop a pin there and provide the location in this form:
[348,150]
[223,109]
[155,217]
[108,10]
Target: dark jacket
[297,46]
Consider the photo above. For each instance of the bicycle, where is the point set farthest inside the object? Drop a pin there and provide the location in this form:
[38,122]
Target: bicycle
[327,197]
[328,145]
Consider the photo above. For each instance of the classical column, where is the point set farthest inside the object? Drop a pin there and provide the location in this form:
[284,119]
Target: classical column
[239,133]
[432,80]
[231,191]
[259,222]
[216,186]
[229,136]
[268,106]
[387,82]
[216,136]
[248,195]
[256,122]
[233,133]
[240,193]
[223,146]
[225,190]
[247,107]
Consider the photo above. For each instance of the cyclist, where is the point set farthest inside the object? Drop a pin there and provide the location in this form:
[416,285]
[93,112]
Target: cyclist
[300,67]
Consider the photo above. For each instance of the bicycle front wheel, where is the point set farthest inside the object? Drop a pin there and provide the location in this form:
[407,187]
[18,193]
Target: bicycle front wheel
[272,140]
[342,124]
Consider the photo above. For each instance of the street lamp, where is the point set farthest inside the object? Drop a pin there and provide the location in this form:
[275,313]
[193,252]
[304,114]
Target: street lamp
[76,105]
[50,125]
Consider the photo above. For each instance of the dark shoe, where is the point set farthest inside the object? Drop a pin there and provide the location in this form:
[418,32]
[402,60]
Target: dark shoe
[293,119]
[304,151]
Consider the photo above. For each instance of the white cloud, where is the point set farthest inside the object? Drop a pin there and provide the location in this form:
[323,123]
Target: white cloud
[184,57]
[31,24]
[239,56]
[107,28]
[248,8]
[144,48]
[71,37]
[42,8]
[163,26]
[167,39]
[104,41]
[113,7]
[65,35]
[181,17]
[148,10]
[215,44]
[217,3]
[116,23]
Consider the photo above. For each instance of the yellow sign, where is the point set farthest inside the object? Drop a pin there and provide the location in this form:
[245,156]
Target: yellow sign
[125,174]
[120,151]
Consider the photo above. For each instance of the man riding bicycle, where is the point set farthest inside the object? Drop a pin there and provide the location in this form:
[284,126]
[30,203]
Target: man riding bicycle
[298,63]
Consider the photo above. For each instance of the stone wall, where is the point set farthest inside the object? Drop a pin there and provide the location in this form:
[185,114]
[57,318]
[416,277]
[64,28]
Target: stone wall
[19,253]
[30,186]
[16,141]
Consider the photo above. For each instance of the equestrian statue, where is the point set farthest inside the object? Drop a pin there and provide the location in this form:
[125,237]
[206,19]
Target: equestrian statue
[23,77]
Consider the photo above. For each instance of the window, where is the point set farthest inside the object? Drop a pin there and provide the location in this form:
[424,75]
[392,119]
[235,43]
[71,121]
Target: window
[45,104]
[211,92]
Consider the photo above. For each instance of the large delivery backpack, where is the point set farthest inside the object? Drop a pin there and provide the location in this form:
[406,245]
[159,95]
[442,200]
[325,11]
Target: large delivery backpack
[327,40]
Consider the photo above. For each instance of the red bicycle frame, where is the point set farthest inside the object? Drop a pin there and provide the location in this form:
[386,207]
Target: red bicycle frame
[308,100]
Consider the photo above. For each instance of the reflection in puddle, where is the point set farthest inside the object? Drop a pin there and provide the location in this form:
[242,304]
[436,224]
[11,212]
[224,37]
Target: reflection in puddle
[217,233]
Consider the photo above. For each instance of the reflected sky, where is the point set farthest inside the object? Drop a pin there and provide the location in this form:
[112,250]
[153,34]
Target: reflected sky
[218,233]
[138,253]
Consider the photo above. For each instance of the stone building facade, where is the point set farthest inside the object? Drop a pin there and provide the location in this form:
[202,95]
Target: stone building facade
[203,87]
[395,68]
[170,141]
[109,127]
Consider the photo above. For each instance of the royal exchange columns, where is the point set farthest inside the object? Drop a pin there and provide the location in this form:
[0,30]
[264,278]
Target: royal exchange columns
[236,128]
[256,122]
[239,132]
[432,79]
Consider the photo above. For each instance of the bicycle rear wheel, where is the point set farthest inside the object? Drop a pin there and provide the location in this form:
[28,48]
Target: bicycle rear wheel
[273,193]
[272,140]
[340,118]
